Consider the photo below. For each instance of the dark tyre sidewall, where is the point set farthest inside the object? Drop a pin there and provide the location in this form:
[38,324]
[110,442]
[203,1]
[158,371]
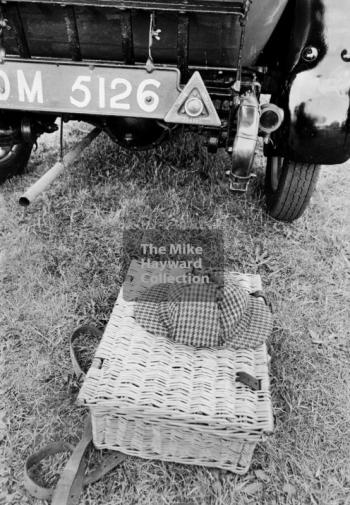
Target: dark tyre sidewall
[14,161]
[289,195]
[274,192]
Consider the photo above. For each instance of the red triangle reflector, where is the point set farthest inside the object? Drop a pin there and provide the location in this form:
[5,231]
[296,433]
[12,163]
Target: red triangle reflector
[194,105]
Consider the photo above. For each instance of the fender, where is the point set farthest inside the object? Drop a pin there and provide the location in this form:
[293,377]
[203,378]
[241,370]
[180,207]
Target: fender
[316,97]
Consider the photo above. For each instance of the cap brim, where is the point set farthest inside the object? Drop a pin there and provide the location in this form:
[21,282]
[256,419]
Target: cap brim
[254,328]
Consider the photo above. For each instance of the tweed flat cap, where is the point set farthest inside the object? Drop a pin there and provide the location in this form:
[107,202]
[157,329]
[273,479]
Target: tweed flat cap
[204,315]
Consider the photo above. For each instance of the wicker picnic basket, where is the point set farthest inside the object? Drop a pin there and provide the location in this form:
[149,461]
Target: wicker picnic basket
[157,399]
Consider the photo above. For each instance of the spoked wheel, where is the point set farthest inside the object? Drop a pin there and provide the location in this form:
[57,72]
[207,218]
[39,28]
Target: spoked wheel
[13,160]
[289,186]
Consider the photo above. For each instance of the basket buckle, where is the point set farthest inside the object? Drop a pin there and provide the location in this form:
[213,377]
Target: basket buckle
[248,380]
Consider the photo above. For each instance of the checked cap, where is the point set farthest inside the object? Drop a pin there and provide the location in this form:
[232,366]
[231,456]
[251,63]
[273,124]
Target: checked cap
[204,315]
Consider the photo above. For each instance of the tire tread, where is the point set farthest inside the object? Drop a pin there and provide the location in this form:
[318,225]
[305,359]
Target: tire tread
[296,186]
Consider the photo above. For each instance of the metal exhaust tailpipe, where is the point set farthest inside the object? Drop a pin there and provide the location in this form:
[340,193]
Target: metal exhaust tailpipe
[271,118]
[40,185]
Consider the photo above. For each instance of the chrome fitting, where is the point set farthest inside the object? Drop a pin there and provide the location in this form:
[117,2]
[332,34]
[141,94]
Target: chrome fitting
[271,118]
[310,54]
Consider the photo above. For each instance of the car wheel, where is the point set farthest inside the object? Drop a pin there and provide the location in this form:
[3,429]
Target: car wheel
[289,186]
[13,160]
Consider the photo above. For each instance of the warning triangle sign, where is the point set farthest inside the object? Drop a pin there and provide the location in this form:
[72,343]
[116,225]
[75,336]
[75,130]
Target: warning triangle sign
[194,105]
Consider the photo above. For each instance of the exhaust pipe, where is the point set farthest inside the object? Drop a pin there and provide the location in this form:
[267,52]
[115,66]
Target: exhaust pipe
[40,185]
[271,118]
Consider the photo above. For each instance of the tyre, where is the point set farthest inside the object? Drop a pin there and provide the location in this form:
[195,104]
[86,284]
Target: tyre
[13,160]
[289,186]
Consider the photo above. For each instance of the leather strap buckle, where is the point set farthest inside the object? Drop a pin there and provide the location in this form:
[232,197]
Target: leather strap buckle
[248,380]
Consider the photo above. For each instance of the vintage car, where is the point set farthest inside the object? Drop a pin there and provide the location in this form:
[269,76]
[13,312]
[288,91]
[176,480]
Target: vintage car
[138,69]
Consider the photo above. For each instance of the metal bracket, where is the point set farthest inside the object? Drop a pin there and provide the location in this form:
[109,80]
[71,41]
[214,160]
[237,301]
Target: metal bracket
[153,34]
[239,184]
[244,145]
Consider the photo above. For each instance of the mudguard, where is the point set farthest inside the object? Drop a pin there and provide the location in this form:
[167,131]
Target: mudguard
[316,98]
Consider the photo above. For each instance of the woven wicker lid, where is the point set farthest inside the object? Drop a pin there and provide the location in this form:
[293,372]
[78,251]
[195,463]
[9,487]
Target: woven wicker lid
[204,315]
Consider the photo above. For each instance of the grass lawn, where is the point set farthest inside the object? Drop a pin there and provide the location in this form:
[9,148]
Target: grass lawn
[61,265]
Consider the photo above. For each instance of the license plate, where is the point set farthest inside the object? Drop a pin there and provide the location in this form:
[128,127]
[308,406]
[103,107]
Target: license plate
[88,89]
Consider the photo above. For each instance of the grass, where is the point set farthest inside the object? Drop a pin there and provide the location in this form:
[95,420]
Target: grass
[62,263]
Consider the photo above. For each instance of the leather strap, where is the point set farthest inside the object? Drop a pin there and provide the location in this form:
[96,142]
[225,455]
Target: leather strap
[249,380]
[70,484]
[73,478]
[86,330]
[45,493]
[33,488]
[261,294]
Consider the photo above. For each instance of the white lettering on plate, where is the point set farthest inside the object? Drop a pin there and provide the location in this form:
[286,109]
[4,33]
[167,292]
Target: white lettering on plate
[27,93]
[115,100]
[4,86]
[83,90]
[146,98]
